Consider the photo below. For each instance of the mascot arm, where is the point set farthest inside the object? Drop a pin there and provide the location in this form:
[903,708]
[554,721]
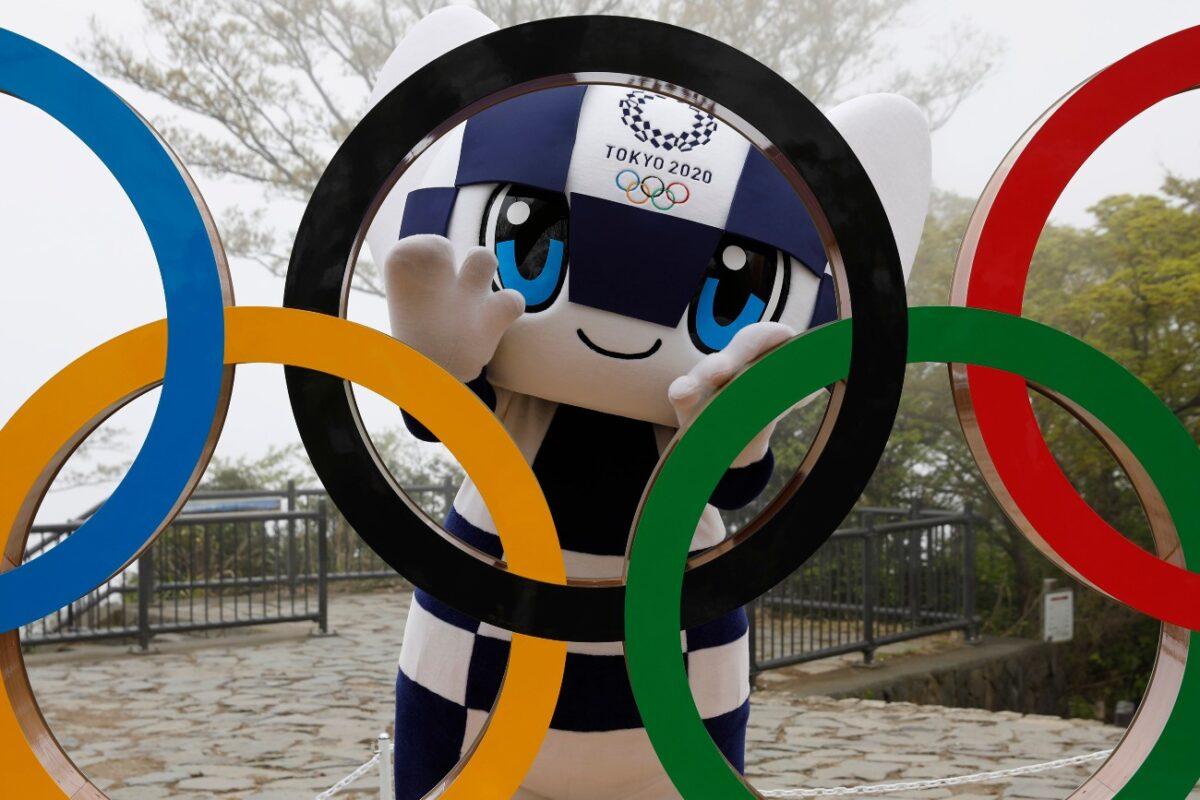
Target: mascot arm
[740,485]
[480,386]
[689,393]
[449,314]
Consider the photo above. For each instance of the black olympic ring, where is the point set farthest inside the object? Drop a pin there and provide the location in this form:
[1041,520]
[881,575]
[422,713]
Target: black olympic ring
[838,193]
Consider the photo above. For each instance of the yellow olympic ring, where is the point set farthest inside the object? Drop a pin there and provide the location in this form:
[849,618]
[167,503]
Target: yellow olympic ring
[83,394]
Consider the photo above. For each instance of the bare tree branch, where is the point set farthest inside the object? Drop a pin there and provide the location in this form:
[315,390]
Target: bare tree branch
[265,90]
[91,464]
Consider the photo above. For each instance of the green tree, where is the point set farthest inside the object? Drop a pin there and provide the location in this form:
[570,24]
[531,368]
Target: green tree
[1128,285]
[272,470]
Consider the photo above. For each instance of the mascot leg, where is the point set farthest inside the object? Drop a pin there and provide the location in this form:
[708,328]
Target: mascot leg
[429,736]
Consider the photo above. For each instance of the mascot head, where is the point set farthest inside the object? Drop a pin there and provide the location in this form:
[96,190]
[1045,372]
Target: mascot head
[642,231]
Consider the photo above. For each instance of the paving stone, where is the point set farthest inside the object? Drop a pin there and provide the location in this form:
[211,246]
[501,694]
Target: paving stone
[143,792]
[159,778]
[215,784]
[288,719]
[855,771]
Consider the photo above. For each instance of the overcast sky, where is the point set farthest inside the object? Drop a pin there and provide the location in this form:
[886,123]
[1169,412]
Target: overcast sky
[78,269]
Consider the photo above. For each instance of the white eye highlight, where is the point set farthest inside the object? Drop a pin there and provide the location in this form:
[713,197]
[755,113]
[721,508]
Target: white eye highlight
[733,257]
[517,213]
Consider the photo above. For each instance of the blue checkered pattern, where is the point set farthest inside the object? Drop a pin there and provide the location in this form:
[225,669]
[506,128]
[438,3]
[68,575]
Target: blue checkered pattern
[451,666]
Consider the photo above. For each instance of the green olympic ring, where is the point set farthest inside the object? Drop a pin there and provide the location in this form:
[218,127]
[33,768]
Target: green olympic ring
[1043,356]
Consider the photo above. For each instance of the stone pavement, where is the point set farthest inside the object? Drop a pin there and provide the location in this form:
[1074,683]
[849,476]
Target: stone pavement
[819,742]
[287,718]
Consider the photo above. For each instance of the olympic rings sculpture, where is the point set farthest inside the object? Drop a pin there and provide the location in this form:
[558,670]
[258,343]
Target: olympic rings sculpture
[1006,354]
[639,184]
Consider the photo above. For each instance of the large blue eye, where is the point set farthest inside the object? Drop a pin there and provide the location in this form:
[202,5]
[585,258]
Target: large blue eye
[540,290]
[528,228]
[746,282]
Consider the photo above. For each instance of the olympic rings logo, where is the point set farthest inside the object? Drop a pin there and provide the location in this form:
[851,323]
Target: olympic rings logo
[188,353]
[639,190]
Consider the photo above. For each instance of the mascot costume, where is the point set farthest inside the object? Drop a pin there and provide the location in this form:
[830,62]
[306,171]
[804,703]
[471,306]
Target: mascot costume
[595,262]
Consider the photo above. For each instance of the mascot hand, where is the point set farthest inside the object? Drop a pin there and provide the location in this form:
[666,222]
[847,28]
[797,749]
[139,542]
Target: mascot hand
[688,393]
[452,316]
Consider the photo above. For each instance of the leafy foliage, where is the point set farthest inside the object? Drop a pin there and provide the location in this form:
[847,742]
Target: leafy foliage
[1130,286]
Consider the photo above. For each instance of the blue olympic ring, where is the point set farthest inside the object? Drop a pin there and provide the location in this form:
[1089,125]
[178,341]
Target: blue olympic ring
[192,385]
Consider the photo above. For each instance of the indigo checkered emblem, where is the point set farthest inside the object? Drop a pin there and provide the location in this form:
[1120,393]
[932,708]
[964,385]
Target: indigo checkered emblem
[634,116]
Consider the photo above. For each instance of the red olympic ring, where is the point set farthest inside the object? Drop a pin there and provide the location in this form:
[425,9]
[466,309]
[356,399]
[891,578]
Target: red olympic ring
[687,193]
[993,268]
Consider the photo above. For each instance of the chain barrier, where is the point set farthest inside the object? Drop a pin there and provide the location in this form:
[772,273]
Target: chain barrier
[934,783]
[349,779]
[842,791]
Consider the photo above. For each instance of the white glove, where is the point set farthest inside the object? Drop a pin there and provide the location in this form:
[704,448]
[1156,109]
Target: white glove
[688,393]
[452,316]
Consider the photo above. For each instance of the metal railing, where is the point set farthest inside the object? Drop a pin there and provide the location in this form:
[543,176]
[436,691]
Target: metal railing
[894,575]
[253,557]
[349,556]
[232,558]
[205,571]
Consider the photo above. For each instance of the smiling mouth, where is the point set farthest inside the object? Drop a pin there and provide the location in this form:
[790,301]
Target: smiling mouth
[616,354]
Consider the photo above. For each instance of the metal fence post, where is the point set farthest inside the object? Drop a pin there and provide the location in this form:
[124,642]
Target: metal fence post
[970,579]
[914,540]
[145,592]
[448,493]
[292,568]
[384,743]
[322,570]
[870,587]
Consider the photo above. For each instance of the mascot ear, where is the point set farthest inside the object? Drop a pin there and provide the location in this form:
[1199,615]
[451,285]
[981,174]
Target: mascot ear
[432,36]
[890,136]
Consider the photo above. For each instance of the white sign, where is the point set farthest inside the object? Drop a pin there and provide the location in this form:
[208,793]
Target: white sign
[1058,616]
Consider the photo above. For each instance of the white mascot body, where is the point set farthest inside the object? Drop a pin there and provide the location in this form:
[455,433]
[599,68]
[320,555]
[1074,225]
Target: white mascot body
[596,262]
